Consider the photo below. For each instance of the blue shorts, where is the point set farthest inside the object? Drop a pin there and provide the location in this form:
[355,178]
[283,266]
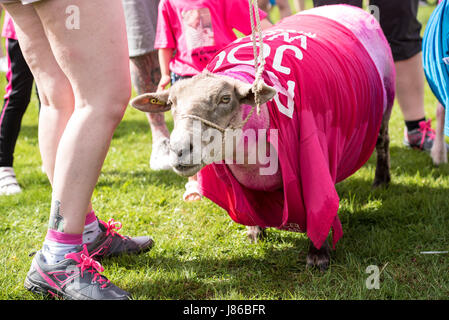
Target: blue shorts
[436,55]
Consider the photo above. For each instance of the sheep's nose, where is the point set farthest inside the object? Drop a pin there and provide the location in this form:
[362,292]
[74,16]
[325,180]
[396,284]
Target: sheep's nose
[182,150]
[185,150]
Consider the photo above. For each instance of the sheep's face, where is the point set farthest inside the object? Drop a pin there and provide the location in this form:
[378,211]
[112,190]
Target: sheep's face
[216,99]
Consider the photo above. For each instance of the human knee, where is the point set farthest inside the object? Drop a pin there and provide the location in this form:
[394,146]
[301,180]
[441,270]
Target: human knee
[56,92]
[110,103]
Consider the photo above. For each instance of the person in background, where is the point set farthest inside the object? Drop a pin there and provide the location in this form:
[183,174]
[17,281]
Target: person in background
[17,97]
[398,19]
[189,33]
[141,21]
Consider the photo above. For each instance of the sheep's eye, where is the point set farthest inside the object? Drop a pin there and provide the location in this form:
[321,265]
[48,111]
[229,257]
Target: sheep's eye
[225,99]
[156,101]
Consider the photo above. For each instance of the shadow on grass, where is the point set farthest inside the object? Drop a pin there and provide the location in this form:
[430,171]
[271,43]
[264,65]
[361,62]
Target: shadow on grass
[223,276]
[410,162]
[382,233]
[393,203]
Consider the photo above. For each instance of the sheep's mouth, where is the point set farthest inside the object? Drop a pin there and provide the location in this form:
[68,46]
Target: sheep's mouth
[187,169]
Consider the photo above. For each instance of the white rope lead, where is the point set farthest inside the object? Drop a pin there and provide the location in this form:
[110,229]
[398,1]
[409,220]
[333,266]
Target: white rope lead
[259,58]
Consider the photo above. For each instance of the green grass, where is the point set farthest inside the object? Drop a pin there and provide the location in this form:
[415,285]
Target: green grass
[201,254]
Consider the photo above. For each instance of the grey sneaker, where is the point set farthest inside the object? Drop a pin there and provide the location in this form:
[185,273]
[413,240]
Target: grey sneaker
[421,138]
[110,243]
[77,277]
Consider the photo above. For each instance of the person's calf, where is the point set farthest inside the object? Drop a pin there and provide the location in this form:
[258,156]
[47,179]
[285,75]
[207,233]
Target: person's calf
[439,148]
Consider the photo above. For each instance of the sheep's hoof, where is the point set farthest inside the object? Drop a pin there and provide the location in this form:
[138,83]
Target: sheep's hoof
[382,177]
[255,233]
[319,258]
[381,182]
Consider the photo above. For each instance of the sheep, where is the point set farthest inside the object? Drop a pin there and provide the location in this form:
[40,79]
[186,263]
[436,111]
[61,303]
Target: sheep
[325,104]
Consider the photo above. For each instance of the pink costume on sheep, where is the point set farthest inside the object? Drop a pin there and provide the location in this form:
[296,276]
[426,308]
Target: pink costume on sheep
[344,78]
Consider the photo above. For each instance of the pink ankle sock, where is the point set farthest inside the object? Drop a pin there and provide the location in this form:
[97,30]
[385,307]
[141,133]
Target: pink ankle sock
[90,217]
[91,228]
[64,238]
[58,244]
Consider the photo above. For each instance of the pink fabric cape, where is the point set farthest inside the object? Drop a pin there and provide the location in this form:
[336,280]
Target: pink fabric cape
[339,103]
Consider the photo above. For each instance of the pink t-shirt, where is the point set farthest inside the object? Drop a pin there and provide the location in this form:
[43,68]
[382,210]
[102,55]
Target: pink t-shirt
[198,29]
[328,111]
[8,27]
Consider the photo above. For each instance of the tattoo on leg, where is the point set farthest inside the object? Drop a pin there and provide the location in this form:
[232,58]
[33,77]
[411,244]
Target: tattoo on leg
[56,220]
[145,72]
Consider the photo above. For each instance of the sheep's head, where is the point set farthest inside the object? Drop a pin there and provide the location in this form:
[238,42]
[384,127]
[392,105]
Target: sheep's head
[211,97]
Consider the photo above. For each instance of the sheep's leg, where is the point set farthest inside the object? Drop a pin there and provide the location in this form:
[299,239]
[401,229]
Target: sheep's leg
[255,233]
[439,151]
[382,175]
[319,258]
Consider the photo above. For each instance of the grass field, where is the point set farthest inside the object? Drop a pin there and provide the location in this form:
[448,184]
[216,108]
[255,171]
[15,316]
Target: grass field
[201,254]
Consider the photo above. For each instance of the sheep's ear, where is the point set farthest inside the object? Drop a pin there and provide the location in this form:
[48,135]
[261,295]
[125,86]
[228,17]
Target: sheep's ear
[152,102]
[246,96]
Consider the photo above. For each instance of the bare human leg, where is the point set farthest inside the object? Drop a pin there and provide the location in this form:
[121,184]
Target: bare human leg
[82,115]
[69,65]
[410,94]
[439,150]
[410,87]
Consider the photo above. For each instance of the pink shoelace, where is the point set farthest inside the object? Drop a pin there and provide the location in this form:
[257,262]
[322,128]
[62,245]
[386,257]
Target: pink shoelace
[87,262]
[425,127]
[112,227]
